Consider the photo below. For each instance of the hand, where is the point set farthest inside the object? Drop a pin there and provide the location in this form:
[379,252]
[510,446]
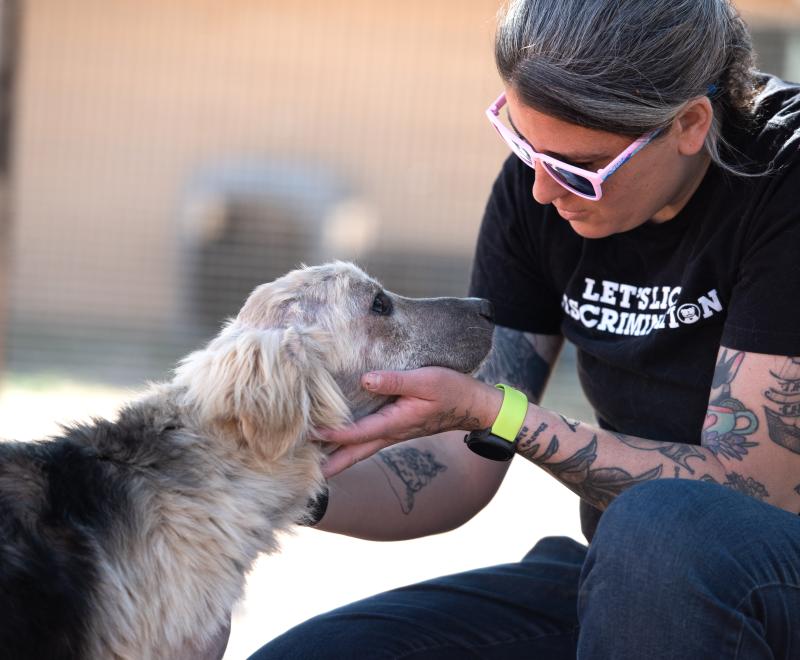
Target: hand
[430,400]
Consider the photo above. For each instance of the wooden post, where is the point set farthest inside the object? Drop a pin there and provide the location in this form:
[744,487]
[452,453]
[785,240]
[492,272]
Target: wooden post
[9,35]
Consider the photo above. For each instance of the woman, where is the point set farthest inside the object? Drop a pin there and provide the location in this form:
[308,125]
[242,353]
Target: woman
[649,216]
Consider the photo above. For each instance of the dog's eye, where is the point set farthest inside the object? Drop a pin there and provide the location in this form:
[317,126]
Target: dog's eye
[382,304]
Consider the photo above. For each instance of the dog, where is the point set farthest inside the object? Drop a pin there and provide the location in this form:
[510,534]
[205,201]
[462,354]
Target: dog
[130,539]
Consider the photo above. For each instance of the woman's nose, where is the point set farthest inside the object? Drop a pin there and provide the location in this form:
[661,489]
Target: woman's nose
[545,188]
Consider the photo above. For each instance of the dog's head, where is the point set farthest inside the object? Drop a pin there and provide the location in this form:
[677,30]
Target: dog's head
[293,357]
[268,387]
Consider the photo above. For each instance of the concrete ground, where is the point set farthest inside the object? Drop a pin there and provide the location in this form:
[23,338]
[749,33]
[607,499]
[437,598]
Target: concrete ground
[316,571]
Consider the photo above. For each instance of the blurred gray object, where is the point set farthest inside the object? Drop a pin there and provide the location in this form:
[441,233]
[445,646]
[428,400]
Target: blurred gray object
[244,223]
[9,18]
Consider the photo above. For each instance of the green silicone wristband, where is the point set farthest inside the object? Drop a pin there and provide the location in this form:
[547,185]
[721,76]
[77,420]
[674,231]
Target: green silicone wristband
[512,413]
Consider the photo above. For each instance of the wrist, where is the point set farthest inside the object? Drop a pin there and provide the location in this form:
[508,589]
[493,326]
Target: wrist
[490,406]
[498,439]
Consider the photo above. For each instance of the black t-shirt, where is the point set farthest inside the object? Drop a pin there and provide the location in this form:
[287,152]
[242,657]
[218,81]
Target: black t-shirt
[647,309]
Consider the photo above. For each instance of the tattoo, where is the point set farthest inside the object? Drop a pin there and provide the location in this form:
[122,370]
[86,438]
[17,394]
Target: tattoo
[724,373]
[677,452]
[728,421]
[450,420]
[530,450]
[515,359]
[781,432]
[748,486]
[415,468]
[598,486]
[677,472]
[525,444]
[729,446]
[737,482]
[797,489]
[571,423]
[787,394]
[784,423]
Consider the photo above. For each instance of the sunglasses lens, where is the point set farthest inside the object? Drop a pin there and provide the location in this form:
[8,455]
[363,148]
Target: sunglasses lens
[574,182]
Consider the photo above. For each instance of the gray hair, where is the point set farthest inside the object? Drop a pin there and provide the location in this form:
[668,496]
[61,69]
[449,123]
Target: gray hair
[629,66]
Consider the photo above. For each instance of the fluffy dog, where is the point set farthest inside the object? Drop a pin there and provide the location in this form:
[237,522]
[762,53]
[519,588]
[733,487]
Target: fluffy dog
[131,538]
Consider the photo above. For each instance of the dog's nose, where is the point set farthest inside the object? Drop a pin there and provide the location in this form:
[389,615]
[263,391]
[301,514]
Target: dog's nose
[486,310]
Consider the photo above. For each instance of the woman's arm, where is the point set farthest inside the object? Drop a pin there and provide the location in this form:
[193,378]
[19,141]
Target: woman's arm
[432,483]
[410,490]
[750,440]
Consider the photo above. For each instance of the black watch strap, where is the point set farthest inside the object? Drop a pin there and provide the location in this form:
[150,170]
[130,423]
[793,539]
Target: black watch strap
[486,444]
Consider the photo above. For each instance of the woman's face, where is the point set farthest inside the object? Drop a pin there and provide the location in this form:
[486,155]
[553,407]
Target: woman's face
[652,186]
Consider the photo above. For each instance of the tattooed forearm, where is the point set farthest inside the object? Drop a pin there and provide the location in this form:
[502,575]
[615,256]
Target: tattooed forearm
[597,486]
[414,468]
[526,442]
[530,450]
[448,419]
[520,359]
[598,465]
[677,452]
[783,416]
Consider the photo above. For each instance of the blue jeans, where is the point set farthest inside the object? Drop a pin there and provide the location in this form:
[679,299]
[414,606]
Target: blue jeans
[677,570]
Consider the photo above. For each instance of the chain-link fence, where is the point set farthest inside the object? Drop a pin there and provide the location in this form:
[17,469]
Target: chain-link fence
[169,156]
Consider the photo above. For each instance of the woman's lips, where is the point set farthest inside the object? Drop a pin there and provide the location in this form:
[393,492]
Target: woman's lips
[571,215]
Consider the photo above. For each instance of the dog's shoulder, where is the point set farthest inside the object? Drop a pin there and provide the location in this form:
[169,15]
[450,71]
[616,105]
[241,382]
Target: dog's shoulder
[87,473]
[58,506]
[62,479]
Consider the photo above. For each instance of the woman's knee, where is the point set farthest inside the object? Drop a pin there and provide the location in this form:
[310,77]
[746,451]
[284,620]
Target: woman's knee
[653,526]
[664,514]
[642,554]
[684,557]
[334,635]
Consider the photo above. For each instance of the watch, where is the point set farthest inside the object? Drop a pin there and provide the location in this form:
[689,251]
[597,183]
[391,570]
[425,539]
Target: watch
[499,442]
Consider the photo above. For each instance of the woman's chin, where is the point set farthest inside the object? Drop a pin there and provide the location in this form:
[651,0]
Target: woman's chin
[589,226]
[588,229]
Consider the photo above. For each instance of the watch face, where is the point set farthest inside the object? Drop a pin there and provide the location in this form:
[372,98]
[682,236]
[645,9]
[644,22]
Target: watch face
[490,446]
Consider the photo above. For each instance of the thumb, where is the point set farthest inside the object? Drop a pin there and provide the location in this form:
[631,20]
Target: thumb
[384,382]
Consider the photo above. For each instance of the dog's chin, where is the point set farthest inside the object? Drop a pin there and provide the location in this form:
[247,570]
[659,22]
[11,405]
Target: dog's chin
[469,368]
[481,362]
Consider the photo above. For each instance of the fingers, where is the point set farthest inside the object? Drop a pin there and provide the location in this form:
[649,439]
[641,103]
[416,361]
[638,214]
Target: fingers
[422,394]
[379,424]
[346,457]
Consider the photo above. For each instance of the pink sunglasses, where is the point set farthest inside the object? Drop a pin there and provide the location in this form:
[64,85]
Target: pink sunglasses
[584,183]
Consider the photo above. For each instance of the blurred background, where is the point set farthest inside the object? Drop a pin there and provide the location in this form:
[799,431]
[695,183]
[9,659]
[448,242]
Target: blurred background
[160,158]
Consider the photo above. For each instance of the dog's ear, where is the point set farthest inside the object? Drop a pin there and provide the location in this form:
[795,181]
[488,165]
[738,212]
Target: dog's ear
[270,385]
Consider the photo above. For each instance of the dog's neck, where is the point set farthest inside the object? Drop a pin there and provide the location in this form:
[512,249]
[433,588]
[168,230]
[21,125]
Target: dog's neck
[216,512]
[359,401]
